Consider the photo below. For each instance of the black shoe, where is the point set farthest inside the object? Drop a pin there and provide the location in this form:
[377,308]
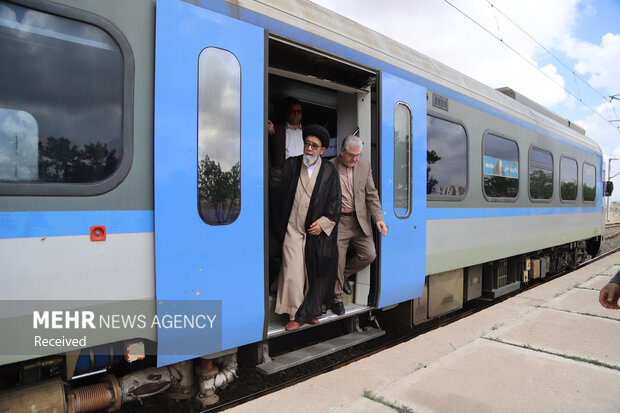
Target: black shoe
[346,287]
[338,308]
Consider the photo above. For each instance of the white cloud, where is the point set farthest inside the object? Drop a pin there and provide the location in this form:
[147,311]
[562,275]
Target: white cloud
[598,61]
[438,30]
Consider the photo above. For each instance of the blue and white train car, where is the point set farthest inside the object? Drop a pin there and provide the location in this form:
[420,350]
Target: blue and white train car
[134,165]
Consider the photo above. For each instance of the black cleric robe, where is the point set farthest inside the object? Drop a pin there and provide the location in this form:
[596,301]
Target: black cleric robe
[321,251]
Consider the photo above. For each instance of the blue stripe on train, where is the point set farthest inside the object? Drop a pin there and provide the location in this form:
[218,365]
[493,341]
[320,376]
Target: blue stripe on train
[64,223]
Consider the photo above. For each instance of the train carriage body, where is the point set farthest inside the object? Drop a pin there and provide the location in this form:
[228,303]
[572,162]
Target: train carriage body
[134,165]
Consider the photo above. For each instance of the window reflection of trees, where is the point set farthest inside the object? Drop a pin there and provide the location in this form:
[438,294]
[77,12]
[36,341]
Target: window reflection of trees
[568,179]
[541,174]
[500,187]
[589,193]
[589,182]
[219,192]
[62,161]
[568,191]
[541,183]
[431,158]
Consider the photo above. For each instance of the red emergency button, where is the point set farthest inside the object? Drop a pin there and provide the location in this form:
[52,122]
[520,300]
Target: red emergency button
[97,233]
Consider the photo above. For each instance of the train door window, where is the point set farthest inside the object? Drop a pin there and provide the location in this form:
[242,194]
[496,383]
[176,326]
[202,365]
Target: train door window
[500,168]
[589,182]
[65,125]
[219,136]
[446,160]
[541,175]
[568,179]
[402,160]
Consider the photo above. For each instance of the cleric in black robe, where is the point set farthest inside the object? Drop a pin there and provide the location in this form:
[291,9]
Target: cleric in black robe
[320,252]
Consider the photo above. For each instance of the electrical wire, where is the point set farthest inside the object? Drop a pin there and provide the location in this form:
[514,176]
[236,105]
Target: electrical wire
[529,61]
[547,50]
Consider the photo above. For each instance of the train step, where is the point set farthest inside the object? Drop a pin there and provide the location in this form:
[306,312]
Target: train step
[277,322]
[304,355]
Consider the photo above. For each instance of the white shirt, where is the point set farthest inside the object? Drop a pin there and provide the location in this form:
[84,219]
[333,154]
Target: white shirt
[294,142]
[311,168]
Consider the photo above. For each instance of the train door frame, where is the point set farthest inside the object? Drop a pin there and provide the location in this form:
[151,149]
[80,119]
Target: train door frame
[355,89]
[208,114]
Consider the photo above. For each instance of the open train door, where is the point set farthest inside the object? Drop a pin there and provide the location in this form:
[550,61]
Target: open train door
[209,181]
[403,187]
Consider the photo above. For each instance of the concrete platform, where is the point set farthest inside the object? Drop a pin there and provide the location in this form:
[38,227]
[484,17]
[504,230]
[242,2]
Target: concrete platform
[550,349]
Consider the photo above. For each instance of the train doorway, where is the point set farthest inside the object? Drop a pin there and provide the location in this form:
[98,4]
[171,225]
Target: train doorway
[342,97]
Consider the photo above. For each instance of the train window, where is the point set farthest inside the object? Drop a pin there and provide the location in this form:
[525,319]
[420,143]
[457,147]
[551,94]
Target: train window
[541,175]
[446,160]
[589,182]
[402,160]
[219,136]
[62,106]
[500,168]
[568,179]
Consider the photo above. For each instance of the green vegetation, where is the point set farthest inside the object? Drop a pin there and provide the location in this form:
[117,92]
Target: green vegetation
[399,408]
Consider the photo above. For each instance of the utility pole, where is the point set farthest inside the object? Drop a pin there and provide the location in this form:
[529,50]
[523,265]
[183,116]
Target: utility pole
[609,179]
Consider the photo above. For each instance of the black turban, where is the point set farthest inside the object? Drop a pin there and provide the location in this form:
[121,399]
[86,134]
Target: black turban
[318,131]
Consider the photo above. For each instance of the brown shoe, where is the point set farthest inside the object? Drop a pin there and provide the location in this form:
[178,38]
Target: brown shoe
[292,325]
[314,321]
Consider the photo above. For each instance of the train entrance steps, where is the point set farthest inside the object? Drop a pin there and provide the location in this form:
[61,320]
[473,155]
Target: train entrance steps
[318,350]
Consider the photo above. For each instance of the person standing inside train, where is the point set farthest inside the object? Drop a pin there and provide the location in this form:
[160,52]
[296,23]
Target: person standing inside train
[305,209]
[286,138]
[360,205]
[610,293]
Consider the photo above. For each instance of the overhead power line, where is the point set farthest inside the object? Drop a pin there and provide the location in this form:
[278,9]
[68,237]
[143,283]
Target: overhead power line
[548,51]
[533,64]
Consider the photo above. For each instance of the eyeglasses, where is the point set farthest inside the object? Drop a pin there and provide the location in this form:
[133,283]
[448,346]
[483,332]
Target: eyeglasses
[312,145]
[352,155]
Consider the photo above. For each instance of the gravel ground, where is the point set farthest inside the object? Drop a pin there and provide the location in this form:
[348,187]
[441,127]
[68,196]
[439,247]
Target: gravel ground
[611,243]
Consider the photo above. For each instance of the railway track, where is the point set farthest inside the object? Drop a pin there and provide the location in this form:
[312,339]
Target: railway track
[612,230]
[393,340]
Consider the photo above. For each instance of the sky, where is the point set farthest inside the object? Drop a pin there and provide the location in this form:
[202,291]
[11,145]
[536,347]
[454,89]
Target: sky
[566,52]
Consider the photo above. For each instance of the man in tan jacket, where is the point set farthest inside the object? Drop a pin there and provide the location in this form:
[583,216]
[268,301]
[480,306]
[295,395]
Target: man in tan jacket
[360,205]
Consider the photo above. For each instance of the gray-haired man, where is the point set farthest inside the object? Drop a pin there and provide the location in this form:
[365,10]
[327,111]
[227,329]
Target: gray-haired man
[360,206]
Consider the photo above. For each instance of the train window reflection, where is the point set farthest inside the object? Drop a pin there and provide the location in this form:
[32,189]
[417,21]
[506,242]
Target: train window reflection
[589,182]
[500,168]
[66,122]
[568,179]
[219,136]
[19,146]
[446,160]
[541,175]
[402,160]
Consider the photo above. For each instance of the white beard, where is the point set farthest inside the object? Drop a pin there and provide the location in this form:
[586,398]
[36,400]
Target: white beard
[310,160]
